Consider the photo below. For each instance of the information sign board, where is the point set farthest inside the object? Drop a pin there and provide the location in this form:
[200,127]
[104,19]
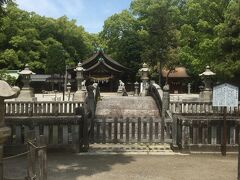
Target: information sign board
[225,95]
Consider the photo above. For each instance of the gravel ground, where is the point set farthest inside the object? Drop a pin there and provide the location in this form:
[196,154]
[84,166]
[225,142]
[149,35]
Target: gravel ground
[66,166]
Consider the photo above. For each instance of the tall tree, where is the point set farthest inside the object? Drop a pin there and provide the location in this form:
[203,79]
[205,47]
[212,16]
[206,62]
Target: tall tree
[228,65]
[199,38]
[158,20]
[121,36]
[56,59]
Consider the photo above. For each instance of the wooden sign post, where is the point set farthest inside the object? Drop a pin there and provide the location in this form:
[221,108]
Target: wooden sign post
[226,96]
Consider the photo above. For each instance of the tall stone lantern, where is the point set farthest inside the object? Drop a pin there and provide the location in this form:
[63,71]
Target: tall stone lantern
[80,94]
[207,77]
[144,72]
[5,92]
[26,92]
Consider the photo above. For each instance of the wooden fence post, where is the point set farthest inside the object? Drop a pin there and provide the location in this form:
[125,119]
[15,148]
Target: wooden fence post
[42,158]
[31,171]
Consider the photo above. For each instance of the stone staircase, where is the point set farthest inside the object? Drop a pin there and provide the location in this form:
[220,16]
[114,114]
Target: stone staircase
[151,149]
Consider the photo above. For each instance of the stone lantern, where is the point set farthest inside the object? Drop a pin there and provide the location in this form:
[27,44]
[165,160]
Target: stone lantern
[144,72]
[5,92]
[80,94]
[26,92]
[69,90]
[207,77]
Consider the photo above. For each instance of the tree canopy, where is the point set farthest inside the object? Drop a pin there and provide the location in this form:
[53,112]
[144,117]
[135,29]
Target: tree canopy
[191,33]
[168,33]
[29,38]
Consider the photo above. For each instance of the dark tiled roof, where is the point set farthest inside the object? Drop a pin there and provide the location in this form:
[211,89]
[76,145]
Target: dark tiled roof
[106,61]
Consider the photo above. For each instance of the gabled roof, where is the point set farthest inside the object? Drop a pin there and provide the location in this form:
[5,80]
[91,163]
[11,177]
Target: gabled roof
[102,60]
[179,72]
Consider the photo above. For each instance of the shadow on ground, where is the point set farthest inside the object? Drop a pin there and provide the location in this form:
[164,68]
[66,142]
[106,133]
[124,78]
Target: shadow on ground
[75,166]
[68,165]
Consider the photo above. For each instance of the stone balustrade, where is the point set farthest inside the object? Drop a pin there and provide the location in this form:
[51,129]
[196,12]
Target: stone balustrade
[47,108]
[195,107]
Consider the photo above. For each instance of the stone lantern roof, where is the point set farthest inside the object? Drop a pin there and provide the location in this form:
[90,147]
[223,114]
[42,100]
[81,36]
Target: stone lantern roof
[26,71]
[144,68]
[7,91]
[207,72]
[79,67]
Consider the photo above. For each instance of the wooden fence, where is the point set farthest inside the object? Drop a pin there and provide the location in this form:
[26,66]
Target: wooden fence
[64,124]
[129,130]
[199,125]
[59,132]
[204,134]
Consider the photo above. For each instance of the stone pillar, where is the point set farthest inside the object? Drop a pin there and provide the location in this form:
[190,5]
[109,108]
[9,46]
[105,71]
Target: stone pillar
[26,93]
[189,88]
[207,80]
[136,87]
[201,92]
[5,92]
[121,88]
[69,90]
[80,94]
[144,71]
[165,107]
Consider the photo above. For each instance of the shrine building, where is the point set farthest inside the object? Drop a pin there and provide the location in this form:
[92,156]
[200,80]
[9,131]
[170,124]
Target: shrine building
[177,79]
[102,69]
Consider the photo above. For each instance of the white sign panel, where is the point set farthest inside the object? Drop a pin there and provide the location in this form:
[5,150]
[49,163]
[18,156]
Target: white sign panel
[225,95]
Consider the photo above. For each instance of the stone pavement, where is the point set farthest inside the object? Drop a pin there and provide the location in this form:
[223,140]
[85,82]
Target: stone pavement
[67,166]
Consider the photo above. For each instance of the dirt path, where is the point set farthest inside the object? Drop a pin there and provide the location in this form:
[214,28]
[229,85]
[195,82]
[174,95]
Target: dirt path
[64,166]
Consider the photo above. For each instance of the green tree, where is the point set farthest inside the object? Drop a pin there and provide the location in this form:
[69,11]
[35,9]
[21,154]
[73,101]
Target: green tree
[26,37]
[199,38]
[121,36]
[159,26]
[9,59]
[56,59]
[5,77]
[228,64]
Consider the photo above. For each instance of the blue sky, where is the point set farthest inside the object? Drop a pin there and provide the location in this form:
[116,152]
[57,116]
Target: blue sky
[91,14]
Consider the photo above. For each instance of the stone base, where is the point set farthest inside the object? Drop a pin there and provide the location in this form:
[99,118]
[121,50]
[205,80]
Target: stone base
[119,93]
[207,95]
[26,94]
[4,133]
[80,96]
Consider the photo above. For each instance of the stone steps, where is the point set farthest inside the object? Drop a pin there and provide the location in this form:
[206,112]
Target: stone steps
[131,149]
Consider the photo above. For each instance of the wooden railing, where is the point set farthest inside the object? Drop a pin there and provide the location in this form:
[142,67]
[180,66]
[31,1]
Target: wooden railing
[205,135]
[127,130]
[199,108]
[31,108]
[64,124]
[58,133]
